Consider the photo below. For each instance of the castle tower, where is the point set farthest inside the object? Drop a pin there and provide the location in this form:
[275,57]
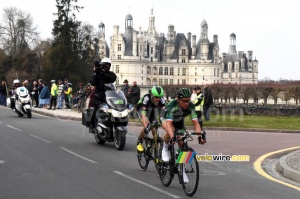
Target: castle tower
[232,45]
[128,35]
[204,40]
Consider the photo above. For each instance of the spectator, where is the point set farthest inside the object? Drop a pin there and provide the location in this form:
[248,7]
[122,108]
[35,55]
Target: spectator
[35,91]
[125,89]
[44,97]
[3,93]
[65,90]
[40,88]
[53,96]
[81,91]
[208,101]
[135,97]
[68,96]
[60,95]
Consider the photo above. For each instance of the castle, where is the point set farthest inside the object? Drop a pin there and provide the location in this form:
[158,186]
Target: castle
[151,58]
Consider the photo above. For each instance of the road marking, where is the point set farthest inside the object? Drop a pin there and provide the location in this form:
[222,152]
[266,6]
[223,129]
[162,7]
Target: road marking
[146,184]
[13,128]
[77,155]
[258,168]
[40,138]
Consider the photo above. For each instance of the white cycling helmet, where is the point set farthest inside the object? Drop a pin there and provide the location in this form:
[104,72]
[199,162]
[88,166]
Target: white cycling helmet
[16,81]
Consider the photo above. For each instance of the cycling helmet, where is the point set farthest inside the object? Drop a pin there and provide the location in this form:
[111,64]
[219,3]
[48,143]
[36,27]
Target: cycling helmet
[157,91]
[69,84]
[16,81]
[183,92]
[105,61]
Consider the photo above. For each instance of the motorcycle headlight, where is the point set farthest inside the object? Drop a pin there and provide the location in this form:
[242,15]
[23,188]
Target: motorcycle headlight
[119,113]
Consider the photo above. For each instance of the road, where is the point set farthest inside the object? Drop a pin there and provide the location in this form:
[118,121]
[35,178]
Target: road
[45,158]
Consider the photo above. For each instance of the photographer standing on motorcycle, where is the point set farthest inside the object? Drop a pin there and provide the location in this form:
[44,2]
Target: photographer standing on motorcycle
[101,76]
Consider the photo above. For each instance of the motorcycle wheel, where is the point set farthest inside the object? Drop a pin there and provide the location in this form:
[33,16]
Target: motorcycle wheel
[120,140]
[19,113]
[99,140]
[29,114]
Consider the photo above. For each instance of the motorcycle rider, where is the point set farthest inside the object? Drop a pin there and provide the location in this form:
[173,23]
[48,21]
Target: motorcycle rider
[101,76]
[13,94]
[146,110]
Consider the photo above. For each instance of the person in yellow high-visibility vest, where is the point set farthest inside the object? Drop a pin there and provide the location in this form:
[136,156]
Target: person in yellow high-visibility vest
[199,105]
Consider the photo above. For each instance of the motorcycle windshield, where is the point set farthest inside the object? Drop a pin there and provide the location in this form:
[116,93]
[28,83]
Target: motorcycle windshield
[116,100]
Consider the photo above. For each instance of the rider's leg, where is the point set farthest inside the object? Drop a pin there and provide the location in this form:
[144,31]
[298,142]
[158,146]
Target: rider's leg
[145,122]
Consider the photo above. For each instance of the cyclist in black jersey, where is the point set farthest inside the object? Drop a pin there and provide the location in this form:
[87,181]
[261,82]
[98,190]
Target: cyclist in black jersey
[176,111]
[150,109]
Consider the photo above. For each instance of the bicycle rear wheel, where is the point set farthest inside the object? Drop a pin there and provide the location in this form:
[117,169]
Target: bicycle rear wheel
[189,176]
[143,158]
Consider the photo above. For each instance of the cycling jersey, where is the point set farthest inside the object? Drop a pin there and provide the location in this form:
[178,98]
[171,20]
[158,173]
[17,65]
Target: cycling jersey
[152,111]
[176,114]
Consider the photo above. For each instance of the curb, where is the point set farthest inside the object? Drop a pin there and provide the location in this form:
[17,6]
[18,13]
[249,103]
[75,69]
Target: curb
[286,170]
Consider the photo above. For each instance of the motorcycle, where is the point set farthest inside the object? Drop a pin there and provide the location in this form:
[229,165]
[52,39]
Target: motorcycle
[23,102]
[111,118]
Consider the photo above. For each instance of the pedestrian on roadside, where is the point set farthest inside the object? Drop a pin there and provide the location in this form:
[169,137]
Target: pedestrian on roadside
[208,101]
[35,92]
[53,95]
[44,97]
[135,93]
[125,89]
[60,95]
[68,97]
[3,93]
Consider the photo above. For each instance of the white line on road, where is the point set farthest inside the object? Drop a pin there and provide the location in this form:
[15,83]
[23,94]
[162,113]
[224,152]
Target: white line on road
[77,155]
[146,184]
[13,128]
[40,138]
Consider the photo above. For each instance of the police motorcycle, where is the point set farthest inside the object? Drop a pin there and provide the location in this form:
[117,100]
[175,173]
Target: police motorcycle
[111,118]
[23,102]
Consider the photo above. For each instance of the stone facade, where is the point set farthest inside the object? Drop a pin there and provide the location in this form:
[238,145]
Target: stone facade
[151,58]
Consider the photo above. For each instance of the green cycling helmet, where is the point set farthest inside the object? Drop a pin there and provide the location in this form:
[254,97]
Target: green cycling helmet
[183,92]
[157,91]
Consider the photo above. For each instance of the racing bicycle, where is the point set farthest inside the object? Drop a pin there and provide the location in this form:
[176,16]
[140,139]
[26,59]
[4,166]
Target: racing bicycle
[151,146]
[188,172]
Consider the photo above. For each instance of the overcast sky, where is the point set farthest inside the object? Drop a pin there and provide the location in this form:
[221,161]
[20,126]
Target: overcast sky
[270,28]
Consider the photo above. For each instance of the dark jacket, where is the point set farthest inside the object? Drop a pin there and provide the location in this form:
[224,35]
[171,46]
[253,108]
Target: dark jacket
[125,91]
[135,94]
[2,89]
[208,99]
[45,93]
[99,79]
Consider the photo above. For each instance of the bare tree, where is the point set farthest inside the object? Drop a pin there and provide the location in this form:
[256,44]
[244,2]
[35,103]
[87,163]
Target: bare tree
[17,32]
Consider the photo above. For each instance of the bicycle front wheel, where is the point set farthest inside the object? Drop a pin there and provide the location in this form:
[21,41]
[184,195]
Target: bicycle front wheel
[160,143]
[189,175]
[166,169]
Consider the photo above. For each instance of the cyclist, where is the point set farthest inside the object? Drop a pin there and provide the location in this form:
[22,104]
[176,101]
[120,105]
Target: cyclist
[176,111]
[147,107]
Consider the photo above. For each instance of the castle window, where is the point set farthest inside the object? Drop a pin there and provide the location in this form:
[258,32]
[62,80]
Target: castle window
[160,82]
[171,71]
[165,81]
[183,51]
[178,71]
[183,71]
[160,71]
[183,61]
[151,59]
[119,47]
[171,81]
[178,81]
[183,81]
[214,71]
[166,71]
[117,68]
[151,50]
[218,71]
[119,56]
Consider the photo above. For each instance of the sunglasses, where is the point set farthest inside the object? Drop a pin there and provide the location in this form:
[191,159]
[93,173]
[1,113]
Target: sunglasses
[157,97]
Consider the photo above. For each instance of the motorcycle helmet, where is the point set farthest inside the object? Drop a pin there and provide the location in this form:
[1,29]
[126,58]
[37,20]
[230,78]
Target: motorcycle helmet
[16,81]
[157,91]
[105,61]
[183,93]
[52,81]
